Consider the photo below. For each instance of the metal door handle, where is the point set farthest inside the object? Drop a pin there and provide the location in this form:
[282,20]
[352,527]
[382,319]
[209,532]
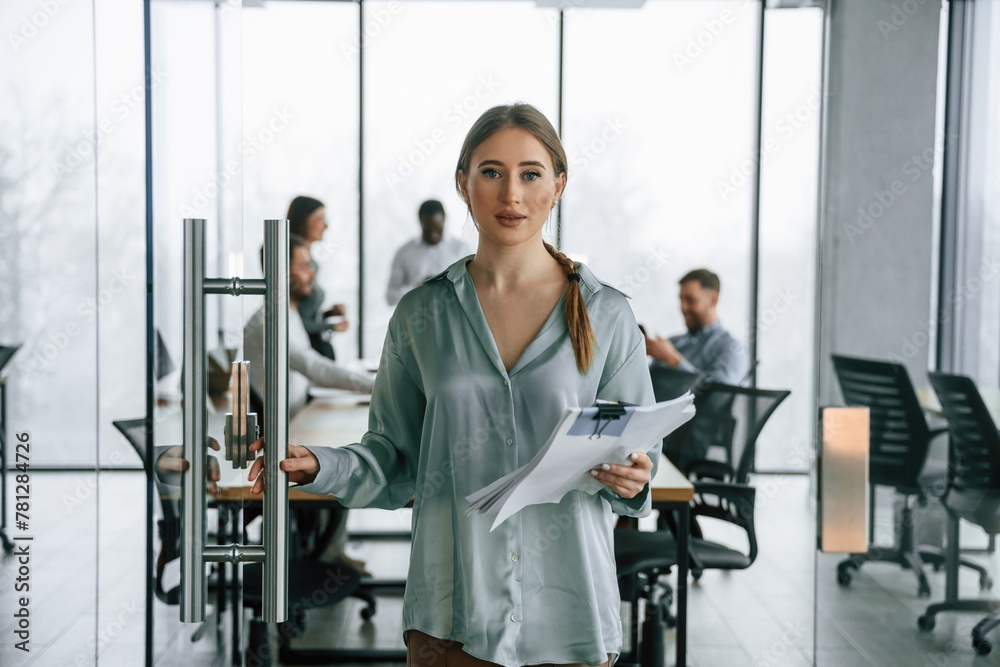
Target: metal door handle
[274,552]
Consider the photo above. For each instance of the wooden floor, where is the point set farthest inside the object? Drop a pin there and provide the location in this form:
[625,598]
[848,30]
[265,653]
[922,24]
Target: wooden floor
[87,594]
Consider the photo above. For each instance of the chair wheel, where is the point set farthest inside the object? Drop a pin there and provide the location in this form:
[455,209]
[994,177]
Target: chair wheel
[367,613]
[924,591]
[985,583]
[982,646]
[926,623]
[843,577]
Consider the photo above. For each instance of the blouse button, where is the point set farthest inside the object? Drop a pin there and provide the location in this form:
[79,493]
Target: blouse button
[510,441]
[515,618]
[506,383]
[514,557]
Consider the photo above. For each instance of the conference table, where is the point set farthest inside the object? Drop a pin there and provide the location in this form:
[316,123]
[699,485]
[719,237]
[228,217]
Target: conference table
[335,418]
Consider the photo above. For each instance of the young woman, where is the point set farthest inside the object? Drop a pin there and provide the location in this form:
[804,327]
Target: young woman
[307,220]
[478,366]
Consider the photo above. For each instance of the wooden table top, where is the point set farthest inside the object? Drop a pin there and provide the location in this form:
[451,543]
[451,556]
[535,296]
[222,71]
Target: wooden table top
[991,397]
[341,420]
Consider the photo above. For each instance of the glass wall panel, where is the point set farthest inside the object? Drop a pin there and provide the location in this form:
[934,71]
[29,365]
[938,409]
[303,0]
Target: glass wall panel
[427,78]
[977,288]
[198,158]
[51,304]
[789,180]
[300,110]
[652,135]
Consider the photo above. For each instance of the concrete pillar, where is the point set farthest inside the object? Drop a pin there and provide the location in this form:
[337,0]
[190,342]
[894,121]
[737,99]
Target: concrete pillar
[877,237]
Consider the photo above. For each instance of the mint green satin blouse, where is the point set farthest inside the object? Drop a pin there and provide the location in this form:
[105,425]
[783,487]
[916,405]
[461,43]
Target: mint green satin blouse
[446,419]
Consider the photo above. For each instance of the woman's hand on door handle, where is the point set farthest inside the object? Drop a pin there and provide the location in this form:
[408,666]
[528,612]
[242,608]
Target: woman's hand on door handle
[301,465]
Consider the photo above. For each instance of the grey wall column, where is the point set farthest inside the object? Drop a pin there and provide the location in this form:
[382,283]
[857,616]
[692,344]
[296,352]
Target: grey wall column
[877,218]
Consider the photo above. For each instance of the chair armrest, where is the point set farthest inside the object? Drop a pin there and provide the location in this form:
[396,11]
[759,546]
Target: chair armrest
[710,469]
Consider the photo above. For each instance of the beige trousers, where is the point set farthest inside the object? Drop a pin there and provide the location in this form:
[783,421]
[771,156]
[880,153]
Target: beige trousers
[425,651]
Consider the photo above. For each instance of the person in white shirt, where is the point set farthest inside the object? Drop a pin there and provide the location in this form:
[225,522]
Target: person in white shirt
[305,365]
[425,256]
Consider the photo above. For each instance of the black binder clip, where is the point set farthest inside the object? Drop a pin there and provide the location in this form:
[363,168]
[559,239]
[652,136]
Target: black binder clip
[605,414]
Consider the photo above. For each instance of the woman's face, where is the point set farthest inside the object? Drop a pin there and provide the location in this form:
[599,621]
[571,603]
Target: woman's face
[511,187]
[316,225]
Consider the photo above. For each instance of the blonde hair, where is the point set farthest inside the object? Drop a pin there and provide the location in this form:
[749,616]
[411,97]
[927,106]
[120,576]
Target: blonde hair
[527,117]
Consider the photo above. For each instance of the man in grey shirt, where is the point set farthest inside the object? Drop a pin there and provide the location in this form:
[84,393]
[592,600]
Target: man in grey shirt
[706,348]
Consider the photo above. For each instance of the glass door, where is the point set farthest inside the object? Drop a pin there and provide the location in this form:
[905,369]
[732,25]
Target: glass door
[72,332]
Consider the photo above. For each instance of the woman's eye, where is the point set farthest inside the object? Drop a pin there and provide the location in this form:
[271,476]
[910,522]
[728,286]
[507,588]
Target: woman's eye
[490,172]
[532,175]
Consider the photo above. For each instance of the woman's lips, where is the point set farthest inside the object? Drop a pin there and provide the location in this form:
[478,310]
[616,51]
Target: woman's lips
[510,219]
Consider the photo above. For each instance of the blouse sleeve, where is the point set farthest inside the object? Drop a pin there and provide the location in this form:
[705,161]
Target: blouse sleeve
[380,471]
[626,379]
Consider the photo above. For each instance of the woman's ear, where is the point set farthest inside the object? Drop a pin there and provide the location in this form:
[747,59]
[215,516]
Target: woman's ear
[463,186]
[560,186]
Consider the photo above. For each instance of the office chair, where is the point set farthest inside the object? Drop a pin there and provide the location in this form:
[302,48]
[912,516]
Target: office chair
[973,485]
[898,442]
[730,419]
[641,558]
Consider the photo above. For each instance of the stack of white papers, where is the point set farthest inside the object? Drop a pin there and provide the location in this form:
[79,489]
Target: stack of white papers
[584,439]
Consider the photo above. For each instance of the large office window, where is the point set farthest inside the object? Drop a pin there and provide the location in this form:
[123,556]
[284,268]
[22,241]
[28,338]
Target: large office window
[71,221]
[651,133]
[300,117]
[786,312]
[431,68]
[975,295]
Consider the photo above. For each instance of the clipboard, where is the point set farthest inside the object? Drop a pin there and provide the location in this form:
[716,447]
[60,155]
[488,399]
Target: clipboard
[583,439]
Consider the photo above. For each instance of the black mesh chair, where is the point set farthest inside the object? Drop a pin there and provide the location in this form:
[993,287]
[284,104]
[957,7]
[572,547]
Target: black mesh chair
[722,492]
[642,558]
[898,442]
[729,419]
[973,485]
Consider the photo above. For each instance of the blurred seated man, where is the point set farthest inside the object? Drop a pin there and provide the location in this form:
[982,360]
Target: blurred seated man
[425,256]
[706,348]
[305,365]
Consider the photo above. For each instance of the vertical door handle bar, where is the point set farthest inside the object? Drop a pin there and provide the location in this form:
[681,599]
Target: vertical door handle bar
[194,552]
[275,585]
